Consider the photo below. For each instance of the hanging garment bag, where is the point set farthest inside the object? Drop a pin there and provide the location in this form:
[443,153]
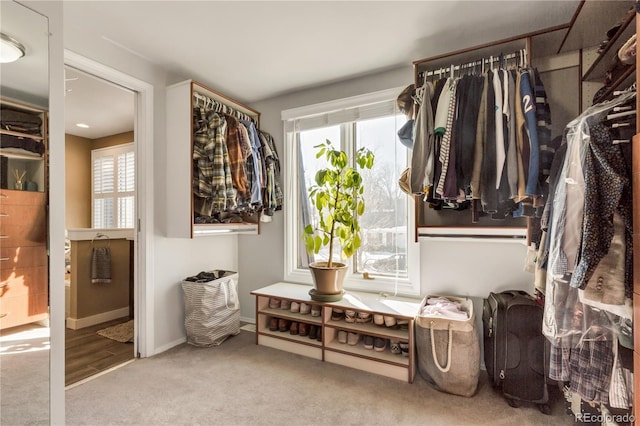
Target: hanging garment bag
[448,345]
[212,307]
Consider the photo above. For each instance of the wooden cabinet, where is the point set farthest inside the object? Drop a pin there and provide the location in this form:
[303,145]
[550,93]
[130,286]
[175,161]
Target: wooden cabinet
[23,258]
[399,312]
[24,146]
[180,144]
[23,214]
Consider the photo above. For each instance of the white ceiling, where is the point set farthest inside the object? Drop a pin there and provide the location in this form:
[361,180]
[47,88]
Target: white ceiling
[254,50]
[108,109]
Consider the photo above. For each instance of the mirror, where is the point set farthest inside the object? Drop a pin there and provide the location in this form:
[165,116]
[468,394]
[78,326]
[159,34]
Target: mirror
[24,286]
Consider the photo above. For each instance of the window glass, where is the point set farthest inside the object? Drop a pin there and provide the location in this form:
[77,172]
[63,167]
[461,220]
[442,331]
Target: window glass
[113,175]
[384,223]
[388,251]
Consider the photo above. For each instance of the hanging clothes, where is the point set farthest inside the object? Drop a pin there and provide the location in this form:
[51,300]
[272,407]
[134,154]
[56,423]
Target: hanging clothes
[588,286]
[236,169]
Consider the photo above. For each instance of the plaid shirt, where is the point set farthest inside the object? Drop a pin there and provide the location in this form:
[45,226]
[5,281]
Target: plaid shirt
[236,157]
[591,368]
[212,173]
[273,193]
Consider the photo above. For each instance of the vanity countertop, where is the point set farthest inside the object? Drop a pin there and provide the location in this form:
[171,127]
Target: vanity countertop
[88,234]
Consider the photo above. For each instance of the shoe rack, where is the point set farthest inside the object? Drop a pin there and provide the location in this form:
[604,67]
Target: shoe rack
[366,331]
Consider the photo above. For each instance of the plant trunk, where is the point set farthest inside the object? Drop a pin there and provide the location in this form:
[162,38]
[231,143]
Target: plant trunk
[333,227]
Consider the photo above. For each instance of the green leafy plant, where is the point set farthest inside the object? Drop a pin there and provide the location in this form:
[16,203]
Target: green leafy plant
[337,195]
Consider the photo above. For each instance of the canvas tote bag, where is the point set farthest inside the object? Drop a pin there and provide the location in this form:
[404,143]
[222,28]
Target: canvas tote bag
[212,309]
[449,349]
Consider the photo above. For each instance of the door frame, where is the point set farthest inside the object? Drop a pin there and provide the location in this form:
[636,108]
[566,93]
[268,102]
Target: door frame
[143,131]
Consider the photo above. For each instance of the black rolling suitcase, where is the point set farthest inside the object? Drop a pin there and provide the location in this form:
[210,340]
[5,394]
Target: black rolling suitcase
[515,351]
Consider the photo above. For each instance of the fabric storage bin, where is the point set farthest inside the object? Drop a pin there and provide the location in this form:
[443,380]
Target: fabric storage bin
[212,307]
[448,346]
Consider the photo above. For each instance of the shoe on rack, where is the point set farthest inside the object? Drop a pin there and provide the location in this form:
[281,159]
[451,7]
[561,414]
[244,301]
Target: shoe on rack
[404,347]
[273,324]
[342,336]
[402,324]
[368,342]
[389,321]
[316,310]
[394,345]
[337,314]
[350,316]
[363,317]
[283,325]
[303,329]
[305,308]
[274,303]
[295,307]
[285,305]
[313,331]
[378,319]
[294,328]
[380,344]
[353,338]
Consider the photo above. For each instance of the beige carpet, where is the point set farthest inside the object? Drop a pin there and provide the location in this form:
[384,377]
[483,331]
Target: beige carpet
[122,332]
[239,383]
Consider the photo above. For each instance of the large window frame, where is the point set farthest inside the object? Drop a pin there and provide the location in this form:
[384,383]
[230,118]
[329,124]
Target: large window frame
[345,112]
[123,187]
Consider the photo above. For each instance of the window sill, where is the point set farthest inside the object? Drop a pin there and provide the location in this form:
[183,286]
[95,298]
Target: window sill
[401,287]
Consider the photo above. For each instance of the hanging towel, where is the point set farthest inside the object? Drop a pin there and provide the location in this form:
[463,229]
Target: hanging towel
[101,265]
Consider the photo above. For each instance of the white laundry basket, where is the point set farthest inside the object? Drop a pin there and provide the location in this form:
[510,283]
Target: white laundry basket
[212,307]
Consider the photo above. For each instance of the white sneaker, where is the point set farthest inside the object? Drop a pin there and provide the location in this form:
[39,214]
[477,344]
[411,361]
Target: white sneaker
[305,308]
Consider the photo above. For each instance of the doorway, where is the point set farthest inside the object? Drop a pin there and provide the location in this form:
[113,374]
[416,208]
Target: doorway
[99,224]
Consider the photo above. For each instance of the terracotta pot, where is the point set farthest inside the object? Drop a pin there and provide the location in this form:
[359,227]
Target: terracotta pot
[328,280]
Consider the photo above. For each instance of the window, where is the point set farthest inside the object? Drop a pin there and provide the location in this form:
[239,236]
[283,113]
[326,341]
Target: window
[113,183]
[386,254]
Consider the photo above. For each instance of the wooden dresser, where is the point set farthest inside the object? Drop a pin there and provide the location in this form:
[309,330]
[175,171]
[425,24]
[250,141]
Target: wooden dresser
[23,257]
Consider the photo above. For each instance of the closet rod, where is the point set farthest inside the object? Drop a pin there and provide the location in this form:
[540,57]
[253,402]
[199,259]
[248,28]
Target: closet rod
[521,54]
[222,107]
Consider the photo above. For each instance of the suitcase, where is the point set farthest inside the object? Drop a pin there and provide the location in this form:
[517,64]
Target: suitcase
[515,350]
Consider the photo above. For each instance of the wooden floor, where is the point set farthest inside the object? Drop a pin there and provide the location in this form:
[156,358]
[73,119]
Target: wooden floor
[87,353]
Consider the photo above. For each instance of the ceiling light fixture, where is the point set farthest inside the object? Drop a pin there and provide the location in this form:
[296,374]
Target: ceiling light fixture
[10,49]
[84,126]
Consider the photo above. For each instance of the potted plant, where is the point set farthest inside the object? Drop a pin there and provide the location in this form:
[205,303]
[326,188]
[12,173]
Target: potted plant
[337,197]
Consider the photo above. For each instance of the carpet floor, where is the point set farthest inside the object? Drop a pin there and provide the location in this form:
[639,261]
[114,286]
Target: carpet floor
[240,383]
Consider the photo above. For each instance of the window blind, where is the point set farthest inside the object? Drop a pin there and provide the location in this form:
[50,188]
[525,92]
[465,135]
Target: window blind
[346,110]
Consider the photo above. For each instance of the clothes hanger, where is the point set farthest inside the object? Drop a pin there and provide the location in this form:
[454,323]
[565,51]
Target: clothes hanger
[620,114]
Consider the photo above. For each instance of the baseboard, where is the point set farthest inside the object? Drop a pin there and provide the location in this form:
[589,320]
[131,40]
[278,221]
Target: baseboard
[78,323]
[248,320]
[169,346]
